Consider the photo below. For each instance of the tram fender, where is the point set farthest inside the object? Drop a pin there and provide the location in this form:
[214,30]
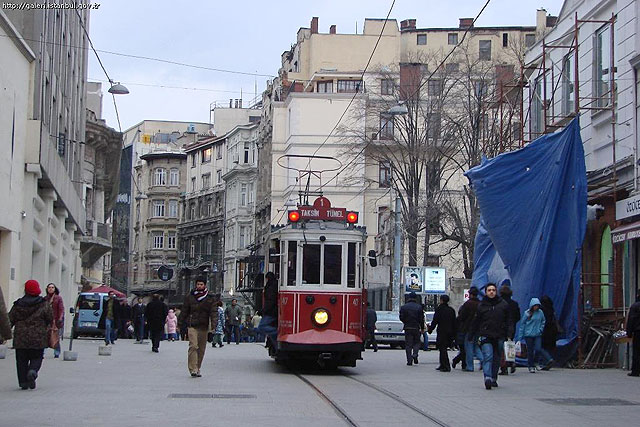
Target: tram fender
[319,337]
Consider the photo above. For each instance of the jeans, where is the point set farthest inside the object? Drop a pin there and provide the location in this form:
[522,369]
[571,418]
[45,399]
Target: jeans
[235,330]
[268,328]
[535,351]
[491,357]
[471,351]
[109,331]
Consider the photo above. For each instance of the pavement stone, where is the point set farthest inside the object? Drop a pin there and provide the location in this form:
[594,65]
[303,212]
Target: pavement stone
[131,388]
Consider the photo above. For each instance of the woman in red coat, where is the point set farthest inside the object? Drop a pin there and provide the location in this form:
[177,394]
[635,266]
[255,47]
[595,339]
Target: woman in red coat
[57,306]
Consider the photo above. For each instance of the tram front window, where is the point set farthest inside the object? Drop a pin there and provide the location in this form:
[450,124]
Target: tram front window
[351,266]
[332,264]
[311,264]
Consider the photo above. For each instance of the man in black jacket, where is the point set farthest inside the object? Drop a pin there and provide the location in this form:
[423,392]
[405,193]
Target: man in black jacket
[413,319]
[490,327]
[514,317]
[156,314]
[138,319]
[198,312]
[445,319]
[466,313]
[633,330]
[110,318]
[269,323]
[370,328]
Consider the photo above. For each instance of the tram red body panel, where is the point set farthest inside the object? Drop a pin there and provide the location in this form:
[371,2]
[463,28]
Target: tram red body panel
[316,337]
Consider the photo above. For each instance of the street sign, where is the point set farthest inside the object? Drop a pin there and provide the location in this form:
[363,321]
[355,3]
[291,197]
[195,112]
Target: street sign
[165,273]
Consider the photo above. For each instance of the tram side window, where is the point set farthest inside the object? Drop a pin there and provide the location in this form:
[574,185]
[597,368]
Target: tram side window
[332,264]
[311,264]
[292,260]
[351,265]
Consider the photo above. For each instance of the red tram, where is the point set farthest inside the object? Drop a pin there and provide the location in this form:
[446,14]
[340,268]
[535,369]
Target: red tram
[321,293]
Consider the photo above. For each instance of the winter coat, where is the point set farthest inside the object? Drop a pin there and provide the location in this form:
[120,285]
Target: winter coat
[233,315]
[30,317]
[138,312]
[551,329]
[155,314]
[492,320]
[372,318]
[220,326]
[270,298]
[633,320]
[514,311]
[466,313]
[116,313]
[444,319]
[172,322]
[532,322]
[5,325]
[412,316]
[198,314]
[57,307]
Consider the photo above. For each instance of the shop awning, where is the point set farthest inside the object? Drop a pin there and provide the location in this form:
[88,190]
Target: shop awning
[625,232]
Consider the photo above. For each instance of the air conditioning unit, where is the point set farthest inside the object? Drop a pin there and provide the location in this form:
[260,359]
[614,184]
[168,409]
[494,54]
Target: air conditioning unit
[236,158]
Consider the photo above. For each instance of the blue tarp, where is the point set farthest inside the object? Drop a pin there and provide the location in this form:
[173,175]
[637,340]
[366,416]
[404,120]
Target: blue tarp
[533,204]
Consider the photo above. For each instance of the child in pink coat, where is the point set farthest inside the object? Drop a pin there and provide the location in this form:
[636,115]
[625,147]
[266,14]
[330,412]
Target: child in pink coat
[172,325]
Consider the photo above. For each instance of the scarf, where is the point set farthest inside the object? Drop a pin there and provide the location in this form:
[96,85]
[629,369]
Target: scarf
[200,295]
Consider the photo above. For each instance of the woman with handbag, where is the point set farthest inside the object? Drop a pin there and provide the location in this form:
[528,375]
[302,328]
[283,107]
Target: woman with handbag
[57,307]
[30,316]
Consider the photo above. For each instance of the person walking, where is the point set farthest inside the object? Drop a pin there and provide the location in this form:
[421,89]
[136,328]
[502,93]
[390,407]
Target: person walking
[413,319]
[5,324]
[514,314]
[255,322]
[370,328]
[138,320]
[489,329]
[269,323]
[466,314]
[198,312]
[110,318]
[531,327]
[633,331]
[551,330]
[57,307]
[172,325]
[219,329]
[156,314]
[444,319]
[30,316]
[233,317]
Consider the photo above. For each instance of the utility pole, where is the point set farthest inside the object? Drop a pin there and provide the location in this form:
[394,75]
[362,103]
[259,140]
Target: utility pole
[396,289]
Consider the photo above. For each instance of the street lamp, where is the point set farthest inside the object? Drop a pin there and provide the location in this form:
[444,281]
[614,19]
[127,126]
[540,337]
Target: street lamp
[117,89]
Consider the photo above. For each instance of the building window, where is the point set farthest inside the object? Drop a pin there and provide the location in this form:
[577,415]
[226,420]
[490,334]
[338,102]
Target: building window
[529,40]
[158,240]
[384,174]
[158,208]
[192,211]
[174,177]
[250,193]
[349,86]
[386,127]
[386,87]
[173,209]
[602,59]
[206,181]
[452,38]
[192,248]
[171,240]
[421,39]
[536,108]
[434,87]
[160,177]
[433,131]
[505,39]
[452,67]
[325,87]
[567,85]
[206,155]
[193,160]
[62,145]
[209,245]
[247,149]
[193,184]
[209,207]
[219,152]
[243,232]
[243,195]
[219,176]
[485,50]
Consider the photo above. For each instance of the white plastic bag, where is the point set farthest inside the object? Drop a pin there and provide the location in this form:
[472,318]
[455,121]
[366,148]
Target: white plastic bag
[509,351]
[518,348]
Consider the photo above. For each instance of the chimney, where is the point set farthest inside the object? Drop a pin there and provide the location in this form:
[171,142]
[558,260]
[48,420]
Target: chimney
[466,23]
[541,20]
[332,29]
[408,24]
[314,25]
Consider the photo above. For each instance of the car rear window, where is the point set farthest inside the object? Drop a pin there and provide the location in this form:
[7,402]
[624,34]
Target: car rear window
[388,317]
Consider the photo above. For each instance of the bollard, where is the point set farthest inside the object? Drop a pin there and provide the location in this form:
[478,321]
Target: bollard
[3,351]
[104,350]
[70,356]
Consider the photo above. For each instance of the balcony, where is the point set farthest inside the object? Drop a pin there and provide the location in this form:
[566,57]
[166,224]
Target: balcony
[95,243]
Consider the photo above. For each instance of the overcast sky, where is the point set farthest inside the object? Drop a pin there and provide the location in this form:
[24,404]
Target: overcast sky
[244,36]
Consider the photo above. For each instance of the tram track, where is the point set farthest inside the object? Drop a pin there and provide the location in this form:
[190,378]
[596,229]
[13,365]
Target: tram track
[350,419]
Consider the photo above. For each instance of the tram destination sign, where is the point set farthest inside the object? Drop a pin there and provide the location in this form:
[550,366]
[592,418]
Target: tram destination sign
[327,214]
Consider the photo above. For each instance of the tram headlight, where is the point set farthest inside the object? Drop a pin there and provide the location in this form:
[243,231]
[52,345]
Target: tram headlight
[320,317]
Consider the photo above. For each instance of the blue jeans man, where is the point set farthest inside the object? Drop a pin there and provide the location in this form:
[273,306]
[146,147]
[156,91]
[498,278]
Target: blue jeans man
[471,351]
[268,328]
[491,357]
[109,331]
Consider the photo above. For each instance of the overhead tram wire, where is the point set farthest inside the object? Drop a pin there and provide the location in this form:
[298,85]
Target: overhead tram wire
[416,91]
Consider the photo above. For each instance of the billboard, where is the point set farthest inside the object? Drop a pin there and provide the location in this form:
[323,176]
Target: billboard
[413,279]
[425,280]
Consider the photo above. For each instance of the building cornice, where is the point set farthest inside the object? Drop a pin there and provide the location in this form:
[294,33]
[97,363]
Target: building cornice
[15,37]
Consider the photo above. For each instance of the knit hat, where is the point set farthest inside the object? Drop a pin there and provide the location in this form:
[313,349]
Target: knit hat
[32,287]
